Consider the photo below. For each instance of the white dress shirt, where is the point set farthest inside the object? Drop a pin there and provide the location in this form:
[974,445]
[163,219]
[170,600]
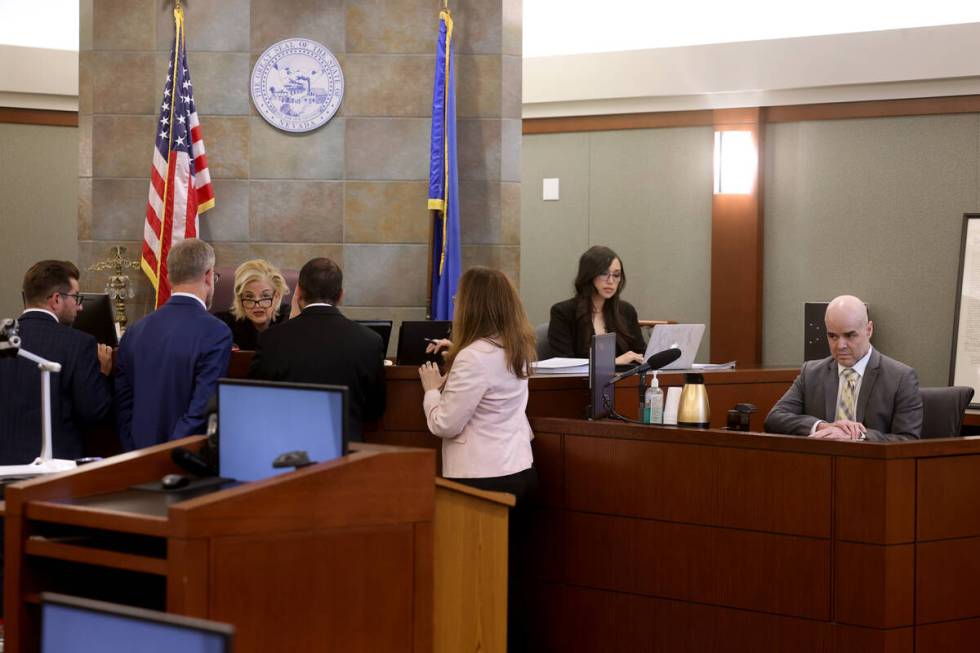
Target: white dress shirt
[480,414]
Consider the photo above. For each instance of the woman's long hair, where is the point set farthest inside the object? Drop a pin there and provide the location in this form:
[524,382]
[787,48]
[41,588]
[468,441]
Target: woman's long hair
[594,262]
[488,306]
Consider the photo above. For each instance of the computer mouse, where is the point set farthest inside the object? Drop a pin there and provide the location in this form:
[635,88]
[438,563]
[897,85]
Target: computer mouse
[174,481]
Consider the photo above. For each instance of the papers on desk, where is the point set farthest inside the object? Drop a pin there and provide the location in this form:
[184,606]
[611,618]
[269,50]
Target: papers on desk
[561,366]
[710,367]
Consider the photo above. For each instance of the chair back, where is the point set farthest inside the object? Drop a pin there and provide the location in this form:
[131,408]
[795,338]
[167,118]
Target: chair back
[541,341]
[942,410]
[224,289]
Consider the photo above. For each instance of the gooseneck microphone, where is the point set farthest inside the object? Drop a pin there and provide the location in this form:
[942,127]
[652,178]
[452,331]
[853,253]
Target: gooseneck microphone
[191,462]
[655,362]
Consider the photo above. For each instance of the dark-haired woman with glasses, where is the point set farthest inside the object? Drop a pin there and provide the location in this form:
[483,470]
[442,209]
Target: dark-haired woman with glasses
[259,289]
[596,309]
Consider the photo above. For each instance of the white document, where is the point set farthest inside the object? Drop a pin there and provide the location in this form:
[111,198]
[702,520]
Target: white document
[708,367]
[561,366]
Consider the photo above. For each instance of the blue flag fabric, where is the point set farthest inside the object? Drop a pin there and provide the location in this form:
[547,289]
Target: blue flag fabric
[443,177]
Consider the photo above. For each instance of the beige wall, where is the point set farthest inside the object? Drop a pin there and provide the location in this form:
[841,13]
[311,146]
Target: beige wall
[355,189]
[872,207]
[644,193]
[38,203]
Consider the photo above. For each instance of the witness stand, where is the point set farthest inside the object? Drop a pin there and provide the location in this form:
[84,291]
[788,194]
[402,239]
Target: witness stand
[677,539]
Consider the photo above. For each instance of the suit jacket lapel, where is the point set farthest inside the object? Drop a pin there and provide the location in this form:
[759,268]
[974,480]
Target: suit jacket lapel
[830,390]
[867,383]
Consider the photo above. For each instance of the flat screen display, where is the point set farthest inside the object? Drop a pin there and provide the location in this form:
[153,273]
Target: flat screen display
[381,327]
[74,625]
[96,318]
[260,420]
[413,338]
[602,368]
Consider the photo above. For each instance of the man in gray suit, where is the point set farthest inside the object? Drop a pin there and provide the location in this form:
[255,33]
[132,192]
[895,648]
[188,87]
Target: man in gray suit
[855,394]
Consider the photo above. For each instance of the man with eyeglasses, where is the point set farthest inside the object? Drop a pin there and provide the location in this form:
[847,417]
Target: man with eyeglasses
[81,393]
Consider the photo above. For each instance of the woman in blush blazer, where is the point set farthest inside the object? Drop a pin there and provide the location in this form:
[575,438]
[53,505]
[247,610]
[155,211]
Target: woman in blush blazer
[478,407]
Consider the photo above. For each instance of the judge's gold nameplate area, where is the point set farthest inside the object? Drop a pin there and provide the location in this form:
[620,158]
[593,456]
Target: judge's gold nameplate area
[297,85]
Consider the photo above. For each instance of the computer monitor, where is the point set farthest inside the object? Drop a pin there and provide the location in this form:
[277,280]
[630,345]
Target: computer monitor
[260,420]
[815,345]
[382,328]
[71,624]
[413,337]
[602,368]
[97,319]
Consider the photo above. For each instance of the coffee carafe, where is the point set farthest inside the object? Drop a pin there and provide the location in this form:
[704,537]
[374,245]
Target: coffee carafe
[693,409]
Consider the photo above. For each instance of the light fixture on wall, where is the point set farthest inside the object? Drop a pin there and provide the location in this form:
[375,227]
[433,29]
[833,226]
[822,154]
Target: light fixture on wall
[736,160]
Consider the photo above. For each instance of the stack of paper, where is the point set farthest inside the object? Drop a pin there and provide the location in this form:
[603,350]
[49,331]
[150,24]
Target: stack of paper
[561,366]
[707,367]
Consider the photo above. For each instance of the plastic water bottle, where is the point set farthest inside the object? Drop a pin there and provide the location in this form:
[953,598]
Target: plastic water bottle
[653,403]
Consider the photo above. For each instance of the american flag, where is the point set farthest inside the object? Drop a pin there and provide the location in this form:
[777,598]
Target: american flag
[180,184]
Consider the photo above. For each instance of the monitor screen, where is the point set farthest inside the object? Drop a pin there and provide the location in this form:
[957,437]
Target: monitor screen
[602,368]
[74,625]
[381,327]
[96,318]
[260,420]
[413,338]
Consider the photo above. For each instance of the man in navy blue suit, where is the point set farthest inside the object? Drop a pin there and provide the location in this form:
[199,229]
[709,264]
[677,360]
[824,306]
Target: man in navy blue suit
[80,394]
[168,363]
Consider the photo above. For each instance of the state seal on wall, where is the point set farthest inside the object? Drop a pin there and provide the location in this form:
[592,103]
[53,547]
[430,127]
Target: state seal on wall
[297,85]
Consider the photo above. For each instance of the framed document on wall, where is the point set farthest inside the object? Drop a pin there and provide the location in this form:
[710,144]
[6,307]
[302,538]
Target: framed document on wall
[964,362]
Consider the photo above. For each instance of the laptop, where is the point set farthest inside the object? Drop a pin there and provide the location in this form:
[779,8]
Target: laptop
[258,421]
[686,337]
[96,318]
[71,624]
[381,327]
[413,337]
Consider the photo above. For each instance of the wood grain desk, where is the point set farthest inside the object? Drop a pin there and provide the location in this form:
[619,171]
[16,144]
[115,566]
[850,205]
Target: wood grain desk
[663,538]
[567,396]
[972,417]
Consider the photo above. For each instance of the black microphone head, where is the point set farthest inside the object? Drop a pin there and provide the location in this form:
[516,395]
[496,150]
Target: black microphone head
[665,357]
[191,462]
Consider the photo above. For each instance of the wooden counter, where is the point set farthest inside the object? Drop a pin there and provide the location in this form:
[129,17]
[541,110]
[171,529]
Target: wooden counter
[672,539]
[567,396]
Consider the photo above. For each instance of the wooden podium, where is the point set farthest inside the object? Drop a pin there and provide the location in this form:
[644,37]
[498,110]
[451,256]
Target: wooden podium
[337,556]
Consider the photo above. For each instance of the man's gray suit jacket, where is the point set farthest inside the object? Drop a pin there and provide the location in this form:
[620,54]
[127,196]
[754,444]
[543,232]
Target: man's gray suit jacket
[889,404]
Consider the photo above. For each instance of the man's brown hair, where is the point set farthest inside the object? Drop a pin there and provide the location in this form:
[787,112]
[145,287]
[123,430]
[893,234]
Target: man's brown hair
[321,281]
[46,278]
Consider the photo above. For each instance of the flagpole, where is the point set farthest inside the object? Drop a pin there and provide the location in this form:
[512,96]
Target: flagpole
[433,216]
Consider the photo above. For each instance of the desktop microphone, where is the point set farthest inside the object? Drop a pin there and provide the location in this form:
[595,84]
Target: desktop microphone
[191,462]
[655,362]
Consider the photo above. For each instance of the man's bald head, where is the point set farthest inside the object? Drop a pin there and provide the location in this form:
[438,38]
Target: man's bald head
[848,329]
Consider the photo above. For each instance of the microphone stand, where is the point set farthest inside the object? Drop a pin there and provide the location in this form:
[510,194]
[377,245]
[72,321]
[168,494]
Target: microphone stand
[642,390]
[623,418]
[46,463]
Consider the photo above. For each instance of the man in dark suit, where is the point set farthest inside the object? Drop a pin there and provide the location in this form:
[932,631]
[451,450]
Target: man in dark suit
[855,394]
[168,363]
[80,393]
[320,345]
